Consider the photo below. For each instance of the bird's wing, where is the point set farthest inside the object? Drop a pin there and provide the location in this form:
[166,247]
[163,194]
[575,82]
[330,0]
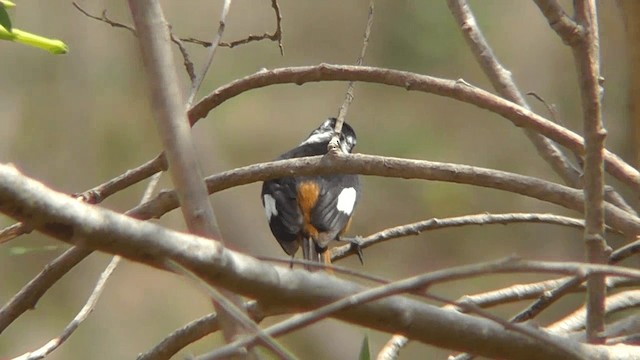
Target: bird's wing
[337,200]
[283,213]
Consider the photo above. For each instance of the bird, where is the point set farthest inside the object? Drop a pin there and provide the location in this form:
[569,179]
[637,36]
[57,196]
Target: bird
[312,211]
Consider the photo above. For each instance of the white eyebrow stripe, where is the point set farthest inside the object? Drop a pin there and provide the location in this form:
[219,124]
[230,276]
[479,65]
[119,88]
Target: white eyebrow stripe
[270,209]
[346,200]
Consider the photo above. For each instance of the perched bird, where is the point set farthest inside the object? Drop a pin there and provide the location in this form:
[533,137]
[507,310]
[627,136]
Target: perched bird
[312,210]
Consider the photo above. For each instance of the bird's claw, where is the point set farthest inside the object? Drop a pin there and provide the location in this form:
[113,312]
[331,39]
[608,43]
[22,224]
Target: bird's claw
[356,245]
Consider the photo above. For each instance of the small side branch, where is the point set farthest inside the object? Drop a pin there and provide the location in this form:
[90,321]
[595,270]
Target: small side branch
[80,317]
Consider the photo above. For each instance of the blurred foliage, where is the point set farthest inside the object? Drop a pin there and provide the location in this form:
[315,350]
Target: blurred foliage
[79,120]
[9,33]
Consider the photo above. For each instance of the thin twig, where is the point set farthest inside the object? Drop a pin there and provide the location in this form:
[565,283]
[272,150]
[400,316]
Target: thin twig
[504,84]
[104,18]
[348,98]
[13,231]
[188,64]
[614,303]
[186,58]
[28,296]
[548,298]
[416,228]
[276,36]
[195,85]
[80,317]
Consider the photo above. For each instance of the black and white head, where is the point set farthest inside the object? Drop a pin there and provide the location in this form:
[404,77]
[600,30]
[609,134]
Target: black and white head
[325,131]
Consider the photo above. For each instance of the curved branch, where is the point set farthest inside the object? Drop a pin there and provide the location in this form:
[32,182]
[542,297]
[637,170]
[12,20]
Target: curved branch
[71,221]
[399,168]
[458,90]
[416,228]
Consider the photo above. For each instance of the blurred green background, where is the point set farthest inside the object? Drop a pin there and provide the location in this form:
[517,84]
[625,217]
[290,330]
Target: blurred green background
[77,120]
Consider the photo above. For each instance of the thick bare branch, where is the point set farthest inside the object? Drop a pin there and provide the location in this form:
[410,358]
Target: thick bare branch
[458,90]
[569,31]
[504,84]
[70,220]
[399,168]
[587,57]
[173,128]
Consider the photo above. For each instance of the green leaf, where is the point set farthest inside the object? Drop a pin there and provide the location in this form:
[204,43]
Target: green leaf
[6,4]
[365,354]
[5,21]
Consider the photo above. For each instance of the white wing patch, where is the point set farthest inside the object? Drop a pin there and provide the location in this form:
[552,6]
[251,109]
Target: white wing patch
[270,209]
[347,200]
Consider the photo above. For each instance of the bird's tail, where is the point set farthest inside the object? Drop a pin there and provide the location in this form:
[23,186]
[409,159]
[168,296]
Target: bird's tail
[310,253]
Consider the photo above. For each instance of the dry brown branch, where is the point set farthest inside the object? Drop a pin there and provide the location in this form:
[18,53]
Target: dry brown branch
[504,84]
[519,292]
[348,98]
[624,252]
[614,303]
[104,18]
[104,230]
[186,58]
[182,337]
[520,116]
[197,82]
[624,330]
[239,314]
[176,40]
[587,57]
[49,347]
[416,228]
[391,349]
[394,288]
[276,36]
[173,128]
[399,168]
[411,81]
[569,31]
[548,298]
[13,231]
[198,329]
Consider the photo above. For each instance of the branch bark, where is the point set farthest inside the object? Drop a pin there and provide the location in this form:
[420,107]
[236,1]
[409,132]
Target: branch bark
[458,90]
[504,84]
[71,221]
[587,57]
[173,127]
